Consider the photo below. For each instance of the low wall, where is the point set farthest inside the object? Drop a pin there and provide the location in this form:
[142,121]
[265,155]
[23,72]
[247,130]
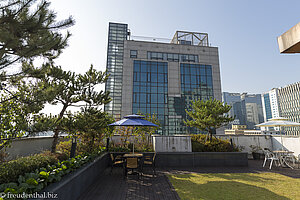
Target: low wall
[73,185]
[271,142]
[175,143]
[28,146]
[202,159]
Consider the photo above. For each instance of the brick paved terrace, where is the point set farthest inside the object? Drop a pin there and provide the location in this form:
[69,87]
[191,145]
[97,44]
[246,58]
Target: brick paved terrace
[149,187]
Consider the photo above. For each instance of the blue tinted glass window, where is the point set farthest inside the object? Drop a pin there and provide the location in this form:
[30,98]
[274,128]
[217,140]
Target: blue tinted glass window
[143,68]
[137,67]
[135,110]
[144,77]
[160,89]
[153,77]
[209,80]
[160,78]
[187,70]
[143,98]
[160,98]
[136,77]
[193,71]
[153,98]
[136,88]
[153,110]
[202,71]
[153,89]
[187,78]
[208,70]
[193,80]
[160,69]
[143,89]
[203,79]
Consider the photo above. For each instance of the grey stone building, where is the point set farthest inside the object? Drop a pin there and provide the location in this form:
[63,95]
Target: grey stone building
[160,78]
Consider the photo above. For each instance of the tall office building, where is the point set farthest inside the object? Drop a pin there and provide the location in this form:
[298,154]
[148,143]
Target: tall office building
[246,108]
[289,105]
[161,78]
[253,108]
[117,34]
[270,104]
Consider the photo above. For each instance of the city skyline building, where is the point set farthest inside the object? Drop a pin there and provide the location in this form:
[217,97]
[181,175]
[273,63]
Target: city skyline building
[161,78]
[270,104]
[246,108]
[289,105]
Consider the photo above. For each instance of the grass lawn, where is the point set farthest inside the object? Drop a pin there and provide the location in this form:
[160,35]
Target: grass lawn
[236,186]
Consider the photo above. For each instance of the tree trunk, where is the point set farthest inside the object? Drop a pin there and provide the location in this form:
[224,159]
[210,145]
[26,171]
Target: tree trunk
[57,129]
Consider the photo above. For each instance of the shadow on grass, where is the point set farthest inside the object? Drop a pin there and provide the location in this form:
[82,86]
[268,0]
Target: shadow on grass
[224,190]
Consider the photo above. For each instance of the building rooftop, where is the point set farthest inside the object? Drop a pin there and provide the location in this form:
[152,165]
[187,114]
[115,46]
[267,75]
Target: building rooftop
[180,37]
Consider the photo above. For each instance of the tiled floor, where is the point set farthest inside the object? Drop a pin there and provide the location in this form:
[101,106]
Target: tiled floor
[156,187]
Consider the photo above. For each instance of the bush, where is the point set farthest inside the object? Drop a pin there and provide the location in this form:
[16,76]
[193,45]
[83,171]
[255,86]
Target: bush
[63,149]
[128,147]
[201,143]
[39,178]
[10,171]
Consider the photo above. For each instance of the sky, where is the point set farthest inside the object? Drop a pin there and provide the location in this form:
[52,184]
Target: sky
[244,31]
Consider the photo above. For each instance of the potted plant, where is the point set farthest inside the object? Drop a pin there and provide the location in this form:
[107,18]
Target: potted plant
[255,152]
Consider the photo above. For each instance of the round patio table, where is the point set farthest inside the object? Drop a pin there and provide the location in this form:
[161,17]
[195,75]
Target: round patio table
[283,155]
[133,155]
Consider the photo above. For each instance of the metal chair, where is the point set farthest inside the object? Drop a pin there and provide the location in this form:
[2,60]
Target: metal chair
[132,164]
[149,160]
[270,156]
[116,160]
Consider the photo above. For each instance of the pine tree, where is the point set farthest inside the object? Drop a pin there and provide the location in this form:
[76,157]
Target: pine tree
[69,89]
[208,115]
[27,33]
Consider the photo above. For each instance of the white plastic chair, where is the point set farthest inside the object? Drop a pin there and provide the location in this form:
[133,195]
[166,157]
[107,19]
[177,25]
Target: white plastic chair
[270,156]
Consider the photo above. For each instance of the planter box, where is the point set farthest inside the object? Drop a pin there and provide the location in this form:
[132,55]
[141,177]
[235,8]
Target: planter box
[202,159]
[73,185]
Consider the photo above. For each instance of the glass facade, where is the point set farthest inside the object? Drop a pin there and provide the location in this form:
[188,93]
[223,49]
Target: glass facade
[150,89]
[150,93]
[116,36]
[267,106]
[196,84]
[175,57]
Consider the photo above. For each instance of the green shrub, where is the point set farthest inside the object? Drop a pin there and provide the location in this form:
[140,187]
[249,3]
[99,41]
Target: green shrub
[10,171]
[41,177]
[201,143]
[64,148]
[128,147]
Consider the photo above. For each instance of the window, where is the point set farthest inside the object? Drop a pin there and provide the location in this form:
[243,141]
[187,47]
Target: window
[133,53]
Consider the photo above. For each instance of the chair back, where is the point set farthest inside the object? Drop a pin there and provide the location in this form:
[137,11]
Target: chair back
[112,157]
[132,163]
[149,157]
[154,157]
[268,153]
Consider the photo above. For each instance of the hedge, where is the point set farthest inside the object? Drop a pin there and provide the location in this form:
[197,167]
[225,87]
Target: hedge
[201,143]
[10,171]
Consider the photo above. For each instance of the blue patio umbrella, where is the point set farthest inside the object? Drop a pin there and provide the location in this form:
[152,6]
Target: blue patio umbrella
[133,120]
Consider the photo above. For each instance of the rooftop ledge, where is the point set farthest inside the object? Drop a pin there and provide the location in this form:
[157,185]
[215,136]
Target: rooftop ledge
[289,42]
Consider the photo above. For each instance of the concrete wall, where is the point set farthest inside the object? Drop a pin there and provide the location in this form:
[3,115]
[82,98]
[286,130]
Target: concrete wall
[289,42]
[291,143]
[202,159]
[28,146]
[176,143]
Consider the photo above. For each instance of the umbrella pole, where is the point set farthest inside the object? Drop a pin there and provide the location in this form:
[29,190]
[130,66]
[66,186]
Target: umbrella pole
[133,140]
[281,138]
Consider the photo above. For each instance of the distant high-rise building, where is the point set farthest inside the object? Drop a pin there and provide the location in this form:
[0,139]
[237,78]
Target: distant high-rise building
[289,105]
[270,104]
[246,108]
[160,78]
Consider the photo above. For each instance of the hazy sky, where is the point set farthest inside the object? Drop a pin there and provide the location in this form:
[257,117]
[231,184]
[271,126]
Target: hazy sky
[245,31]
